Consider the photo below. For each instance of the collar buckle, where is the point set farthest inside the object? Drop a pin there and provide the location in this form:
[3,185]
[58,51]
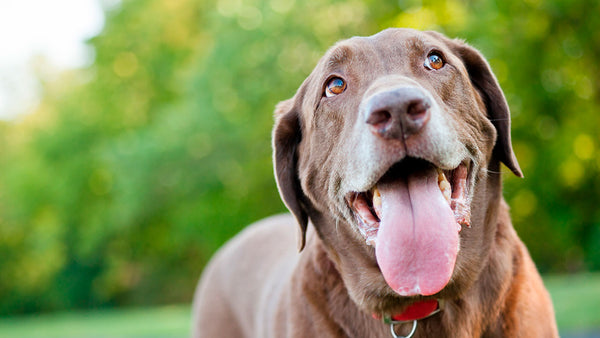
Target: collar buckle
[412,331]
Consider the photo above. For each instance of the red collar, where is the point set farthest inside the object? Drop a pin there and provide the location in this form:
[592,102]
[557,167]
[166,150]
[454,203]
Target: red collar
[415,311]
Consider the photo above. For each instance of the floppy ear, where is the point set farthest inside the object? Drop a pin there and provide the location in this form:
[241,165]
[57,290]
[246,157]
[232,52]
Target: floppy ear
[286,137]
[484,80]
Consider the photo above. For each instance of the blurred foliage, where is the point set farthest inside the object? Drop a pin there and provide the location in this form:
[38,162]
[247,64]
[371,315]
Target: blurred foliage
[131,172]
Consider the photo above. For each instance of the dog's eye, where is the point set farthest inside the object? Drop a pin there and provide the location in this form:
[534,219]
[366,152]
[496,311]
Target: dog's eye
[335,86]
[434,61]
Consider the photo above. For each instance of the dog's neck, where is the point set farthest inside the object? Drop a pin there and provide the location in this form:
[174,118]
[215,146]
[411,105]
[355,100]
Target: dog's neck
[323,291]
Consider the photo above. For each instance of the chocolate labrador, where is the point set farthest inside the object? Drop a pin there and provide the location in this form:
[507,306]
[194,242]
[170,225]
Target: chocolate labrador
[391,149]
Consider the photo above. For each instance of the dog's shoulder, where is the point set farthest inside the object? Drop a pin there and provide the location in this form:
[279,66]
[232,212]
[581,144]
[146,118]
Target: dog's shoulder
[232,286]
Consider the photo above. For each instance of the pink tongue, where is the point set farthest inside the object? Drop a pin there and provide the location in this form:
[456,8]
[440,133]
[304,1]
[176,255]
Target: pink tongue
[417,241]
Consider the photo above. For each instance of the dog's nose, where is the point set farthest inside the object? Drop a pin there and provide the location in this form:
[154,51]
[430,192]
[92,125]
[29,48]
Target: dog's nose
[397,113]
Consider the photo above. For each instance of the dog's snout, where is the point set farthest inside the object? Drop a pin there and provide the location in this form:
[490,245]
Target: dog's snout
[397,113]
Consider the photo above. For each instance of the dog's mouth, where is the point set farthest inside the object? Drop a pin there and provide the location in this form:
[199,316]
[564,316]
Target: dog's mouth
[412,216]
[453,185]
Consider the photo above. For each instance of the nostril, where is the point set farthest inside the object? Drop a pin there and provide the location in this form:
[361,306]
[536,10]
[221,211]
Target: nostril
[417,110]
[379,117]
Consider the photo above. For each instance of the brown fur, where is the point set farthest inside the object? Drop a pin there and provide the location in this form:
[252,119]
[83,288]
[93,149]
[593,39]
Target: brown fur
[258,286]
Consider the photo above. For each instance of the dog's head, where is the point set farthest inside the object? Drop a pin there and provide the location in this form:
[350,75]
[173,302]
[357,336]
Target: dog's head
[390,147]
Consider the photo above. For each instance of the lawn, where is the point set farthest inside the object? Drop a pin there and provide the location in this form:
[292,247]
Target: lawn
[165,321]
[576,302]
[576,299]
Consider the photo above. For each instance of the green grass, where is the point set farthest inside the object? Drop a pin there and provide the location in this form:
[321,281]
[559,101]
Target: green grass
[165,321]
[576,299]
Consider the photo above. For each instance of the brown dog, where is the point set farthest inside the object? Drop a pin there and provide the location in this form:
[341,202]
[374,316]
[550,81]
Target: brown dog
[392,149]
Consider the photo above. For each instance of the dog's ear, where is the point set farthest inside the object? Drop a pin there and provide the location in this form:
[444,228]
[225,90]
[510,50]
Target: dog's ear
[286,137]
[486,83]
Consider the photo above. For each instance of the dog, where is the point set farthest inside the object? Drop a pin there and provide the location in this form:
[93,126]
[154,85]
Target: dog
[391,151]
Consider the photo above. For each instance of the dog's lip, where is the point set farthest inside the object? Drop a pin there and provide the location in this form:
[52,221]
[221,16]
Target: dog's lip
[460,178]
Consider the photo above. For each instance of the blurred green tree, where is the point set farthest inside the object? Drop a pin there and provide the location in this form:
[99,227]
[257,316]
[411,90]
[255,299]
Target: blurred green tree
[131,172]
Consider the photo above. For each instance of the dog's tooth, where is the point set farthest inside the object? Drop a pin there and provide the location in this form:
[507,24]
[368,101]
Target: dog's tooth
[444,185]
[447,194]
[376,198]
[446,190]
[441,175]
[377,202]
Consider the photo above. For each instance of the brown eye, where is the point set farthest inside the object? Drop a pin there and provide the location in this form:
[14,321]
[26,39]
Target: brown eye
[335,86]
[434,61]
